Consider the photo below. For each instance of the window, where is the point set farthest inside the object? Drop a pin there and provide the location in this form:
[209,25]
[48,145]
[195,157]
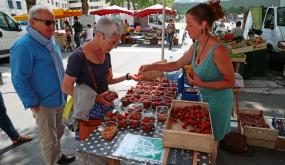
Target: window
[6,23]
[19,5]
[10,4]
[269,19]
[281,16]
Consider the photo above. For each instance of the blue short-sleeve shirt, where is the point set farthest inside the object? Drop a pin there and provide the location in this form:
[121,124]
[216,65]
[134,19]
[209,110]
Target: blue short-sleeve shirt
[77,67]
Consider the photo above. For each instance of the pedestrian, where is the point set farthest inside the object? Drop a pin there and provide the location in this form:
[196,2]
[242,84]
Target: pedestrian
[68,33]
[37,72]
[212,67]
[238,31]
[89,33]
[96,54]
[78,27]
[7,126]
[123,32]
[170,32]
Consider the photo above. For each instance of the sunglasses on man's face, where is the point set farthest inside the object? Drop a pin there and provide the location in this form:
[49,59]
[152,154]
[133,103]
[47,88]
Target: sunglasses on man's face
[47,22]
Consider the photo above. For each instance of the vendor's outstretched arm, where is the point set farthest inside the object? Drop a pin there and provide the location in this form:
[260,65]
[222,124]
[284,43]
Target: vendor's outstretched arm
[170,66]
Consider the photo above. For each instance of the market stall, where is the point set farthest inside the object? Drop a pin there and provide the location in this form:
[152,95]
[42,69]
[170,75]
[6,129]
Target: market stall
[144,127]
[255,54]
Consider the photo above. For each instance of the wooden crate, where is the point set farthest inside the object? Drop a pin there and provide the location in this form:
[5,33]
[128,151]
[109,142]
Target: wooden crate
[259,46]
[269,134]
[261,143]
[174,136]
[195,158]
[280,144]
[243,49]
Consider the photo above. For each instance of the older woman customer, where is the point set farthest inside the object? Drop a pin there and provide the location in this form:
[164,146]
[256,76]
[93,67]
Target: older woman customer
[96,52]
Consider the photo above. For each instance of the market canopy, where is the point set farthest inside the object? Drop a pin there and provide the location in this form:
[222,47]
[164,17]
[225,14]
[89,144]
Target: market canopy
[58,13]
[22,17]
[62,13]
[155,9]
[112,10]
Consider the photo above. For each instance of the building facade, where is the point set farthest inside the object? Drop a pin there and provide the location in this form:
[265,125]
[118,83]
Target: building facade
[14,7]
[18,7]
[93,4]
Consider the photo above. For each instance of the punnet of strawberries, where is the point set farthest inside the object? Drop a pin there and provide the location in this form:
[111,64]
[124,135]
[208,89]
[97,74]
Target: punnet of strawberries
[195,118]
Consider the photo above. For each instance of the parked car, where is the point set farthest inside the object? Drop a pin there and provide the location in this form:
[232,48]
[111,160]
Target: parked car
[10,30]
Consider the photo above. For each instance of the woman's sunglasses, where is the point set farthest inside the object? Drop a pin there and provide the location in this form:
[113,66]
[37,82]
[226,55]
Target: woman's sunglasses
[47,22]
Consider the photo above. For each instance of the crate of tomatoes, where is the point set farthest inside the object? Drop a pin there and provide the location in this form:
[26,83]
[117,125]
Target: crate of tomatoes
[189,127]
[256,128]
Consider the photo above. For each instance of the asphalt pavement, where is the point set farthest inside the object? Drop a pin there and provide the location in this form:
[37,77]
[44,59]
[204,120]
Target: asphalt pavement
[264,93]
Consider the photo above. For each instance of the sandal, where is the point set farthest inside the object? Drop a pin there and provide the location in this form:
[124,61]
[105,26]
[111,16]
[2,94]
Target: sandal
[22,139]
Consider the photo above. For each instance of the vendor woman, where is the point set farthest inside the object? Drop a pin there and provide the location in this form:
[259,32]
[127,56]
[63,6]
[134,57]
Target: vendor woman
[212,66]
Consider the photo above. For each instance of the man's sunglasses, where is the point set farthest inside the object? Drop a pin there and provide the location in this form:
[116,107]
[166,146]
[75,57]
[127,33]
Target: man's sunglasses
[47,22]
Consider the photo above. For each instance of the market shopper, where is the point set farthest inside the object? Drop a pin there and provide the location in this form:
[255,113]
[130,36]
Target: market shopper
[37,72]
[212,66]
[96,54]
[170,32]
[238,31]
[89,33]
[78,27]
[7,126]
[68,33]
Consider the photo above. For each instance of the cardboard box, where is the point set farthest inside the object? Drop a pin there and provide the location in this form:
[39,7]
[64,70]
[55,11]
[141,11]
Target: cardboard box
[174,136]
[261,143]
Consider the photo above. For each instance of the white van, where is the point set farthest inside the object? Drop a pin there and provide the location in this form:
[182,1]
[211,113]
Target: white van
[10,31]
[273,28]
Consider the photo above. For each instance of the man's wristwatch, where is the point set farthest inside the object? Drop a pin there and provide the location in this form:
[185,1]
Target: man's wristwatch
[127,76]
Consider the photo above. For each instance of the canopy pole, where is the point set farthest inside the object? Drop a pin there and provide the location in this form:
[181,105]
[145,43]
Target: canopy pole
[163,31]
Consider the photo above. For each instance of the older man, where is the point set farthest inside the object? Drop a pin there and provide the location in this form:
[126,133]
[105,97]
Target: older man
[37,72]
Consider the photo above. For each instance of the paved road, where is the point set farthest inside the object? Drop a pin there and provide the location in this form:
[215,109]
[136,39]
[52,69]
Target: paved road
[266,94]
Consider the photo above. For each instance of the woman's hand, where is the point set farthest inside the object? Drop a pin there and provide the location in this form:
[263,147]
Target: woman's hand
[100,98]
[144,68]
[195,80]
[135,77]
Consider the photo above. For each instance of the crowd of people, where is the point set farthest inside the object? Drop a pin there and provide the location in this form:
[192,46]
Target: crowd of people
[42,83]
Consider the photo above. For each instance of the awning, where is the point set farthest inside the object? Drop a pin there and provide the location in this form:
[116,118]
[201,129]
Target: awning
[112,10]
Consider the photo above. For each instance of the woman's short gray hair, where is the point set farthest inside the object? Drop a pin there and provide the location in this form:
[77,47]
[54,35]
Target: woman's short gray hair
[36,9]
[108,27]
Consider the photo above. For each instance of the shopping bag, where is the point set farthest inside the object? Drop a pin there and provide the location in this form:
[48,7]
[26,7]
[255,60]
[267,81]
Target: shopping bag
[87,127]
[68,110]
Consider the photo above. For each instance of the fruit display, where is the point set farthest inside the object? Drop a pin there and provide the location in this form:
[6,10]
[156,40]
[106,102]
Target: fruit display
[162,113]
[194,118]
[109,131]
[147,123]
[135,107]
[151,93]
[279,124]
[134,120]
[148,120]
[252,120]
[110,116]
[111,96]
[122,120]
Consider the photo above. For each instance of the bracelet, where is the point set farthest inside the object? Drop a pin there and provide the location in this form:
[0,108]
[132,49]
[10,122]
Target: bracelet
[127,76]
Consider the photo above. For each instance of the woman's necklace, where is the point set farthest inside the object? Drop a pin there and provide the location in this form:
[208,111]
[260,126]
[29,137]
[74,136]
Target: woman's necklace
[199,55]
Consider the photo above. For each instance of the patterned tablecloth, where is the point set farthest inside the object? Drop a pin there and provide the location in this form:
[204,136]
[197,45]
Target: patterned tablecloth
[95,150]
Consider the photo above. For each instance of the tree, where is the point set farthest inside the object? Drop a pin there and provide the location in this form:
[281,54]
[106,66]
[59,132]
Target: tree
[85,6]
[30,4]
